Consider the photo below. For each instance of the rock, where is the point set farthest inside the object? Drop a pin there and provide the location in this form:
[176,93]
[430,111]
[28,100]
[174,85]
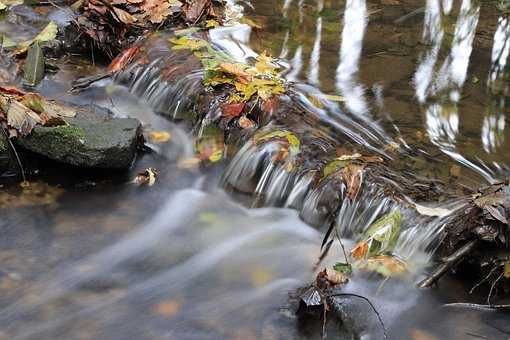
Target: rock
[93,139]
[355,315]
[8,165]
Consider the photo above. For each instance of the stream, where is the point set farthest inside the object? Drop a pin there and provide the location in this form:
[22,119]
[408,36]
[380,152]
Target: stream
[219,251]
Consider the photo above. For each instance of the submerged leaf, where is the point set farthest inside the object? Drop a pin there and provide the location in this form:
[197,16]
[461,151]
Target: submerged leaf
[148,177]
[159,136]
[386,265]
[34,65]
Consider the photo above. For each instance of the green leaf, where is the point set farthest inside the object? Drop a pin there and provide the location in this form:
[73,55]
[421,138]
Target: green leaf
[48,33]
[34,65]
[383,233]
[2,7]
[344,268]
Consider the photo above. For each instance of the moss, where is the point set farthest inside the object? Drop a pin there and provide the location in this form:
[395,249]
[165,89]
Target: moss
[3,145]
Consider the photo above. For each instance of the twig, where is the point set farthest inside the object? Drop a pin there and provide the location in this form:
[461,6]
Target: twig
[448,263]
[18,160]
[477,306]
[483,280]
[492,288]
[371,305]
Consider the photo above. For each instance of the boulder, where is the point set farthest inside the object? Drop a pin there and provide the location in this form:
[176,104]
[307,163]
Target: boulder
[94,138]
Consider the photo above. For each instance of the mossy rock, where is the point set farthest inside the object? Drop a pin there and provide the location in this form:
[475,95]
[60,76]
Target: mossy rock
[93,139]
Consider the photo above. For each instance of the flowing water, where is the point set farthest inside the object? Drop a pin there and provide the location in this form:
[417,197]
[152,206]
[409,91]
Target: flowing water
[218,251]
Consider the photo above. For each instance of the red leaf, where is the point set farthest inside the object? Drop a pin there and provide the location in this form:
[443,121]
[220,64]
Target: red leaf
[232,110]
[124,58]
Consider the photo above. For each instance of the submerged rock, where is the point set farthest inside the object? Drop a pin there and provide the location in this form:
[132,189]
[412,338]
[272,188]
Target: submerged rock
[93,139]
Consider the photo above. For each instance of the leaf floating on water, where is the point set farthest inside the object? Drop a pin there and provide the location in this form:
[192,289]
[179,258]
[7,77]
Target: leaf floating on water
[34,65]
[159,136]
[184,42]
[386,265]
[48,33]
[148,177]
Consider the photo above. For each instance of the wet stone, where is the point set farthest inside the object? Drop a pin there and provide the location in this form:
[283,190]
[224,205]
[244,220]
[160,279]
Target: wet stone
[93,139]
[7,163]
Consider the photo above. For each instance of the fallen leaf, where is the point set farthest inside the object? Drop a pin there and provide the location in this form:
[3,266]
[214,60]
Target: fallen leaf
[21,118]
[123,59]
[260,276]
[48,33]
[429,211]
[246,123]
[148,177]
[360,251]
[196,10]
[352,175]
[311,297]
[231,110]
[124,16]
[344,268]
[167,308]
[159,136]
[336,277]
[506,269]
[386,265]
[34,65]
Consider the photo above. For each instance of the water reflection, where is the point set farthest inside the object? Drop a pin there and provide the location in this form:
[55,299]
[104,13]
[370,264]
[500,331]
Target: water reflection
[439,87]
[355,22]
[494,121]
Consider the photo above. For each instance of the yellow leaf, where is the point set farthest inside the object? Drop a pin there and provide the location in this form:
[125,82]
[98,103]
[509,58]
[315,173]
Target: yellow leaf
[506,272]
[260,276]
[148,177]
[211,23]
[159,136]
[216,156]
[167,308]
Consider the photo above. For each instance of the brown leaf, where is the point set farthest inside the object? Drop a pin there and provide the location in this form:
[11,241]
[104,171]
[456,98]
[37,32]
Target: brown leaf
[245,123]
[360,251]
[21,118]
[124,16]
[196,9]
[336,278]
[156,10]
[148,177]
[123,59]
[236,70]
[167,308]
[352,175]
[48,120]
[496,214]
[232,110]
